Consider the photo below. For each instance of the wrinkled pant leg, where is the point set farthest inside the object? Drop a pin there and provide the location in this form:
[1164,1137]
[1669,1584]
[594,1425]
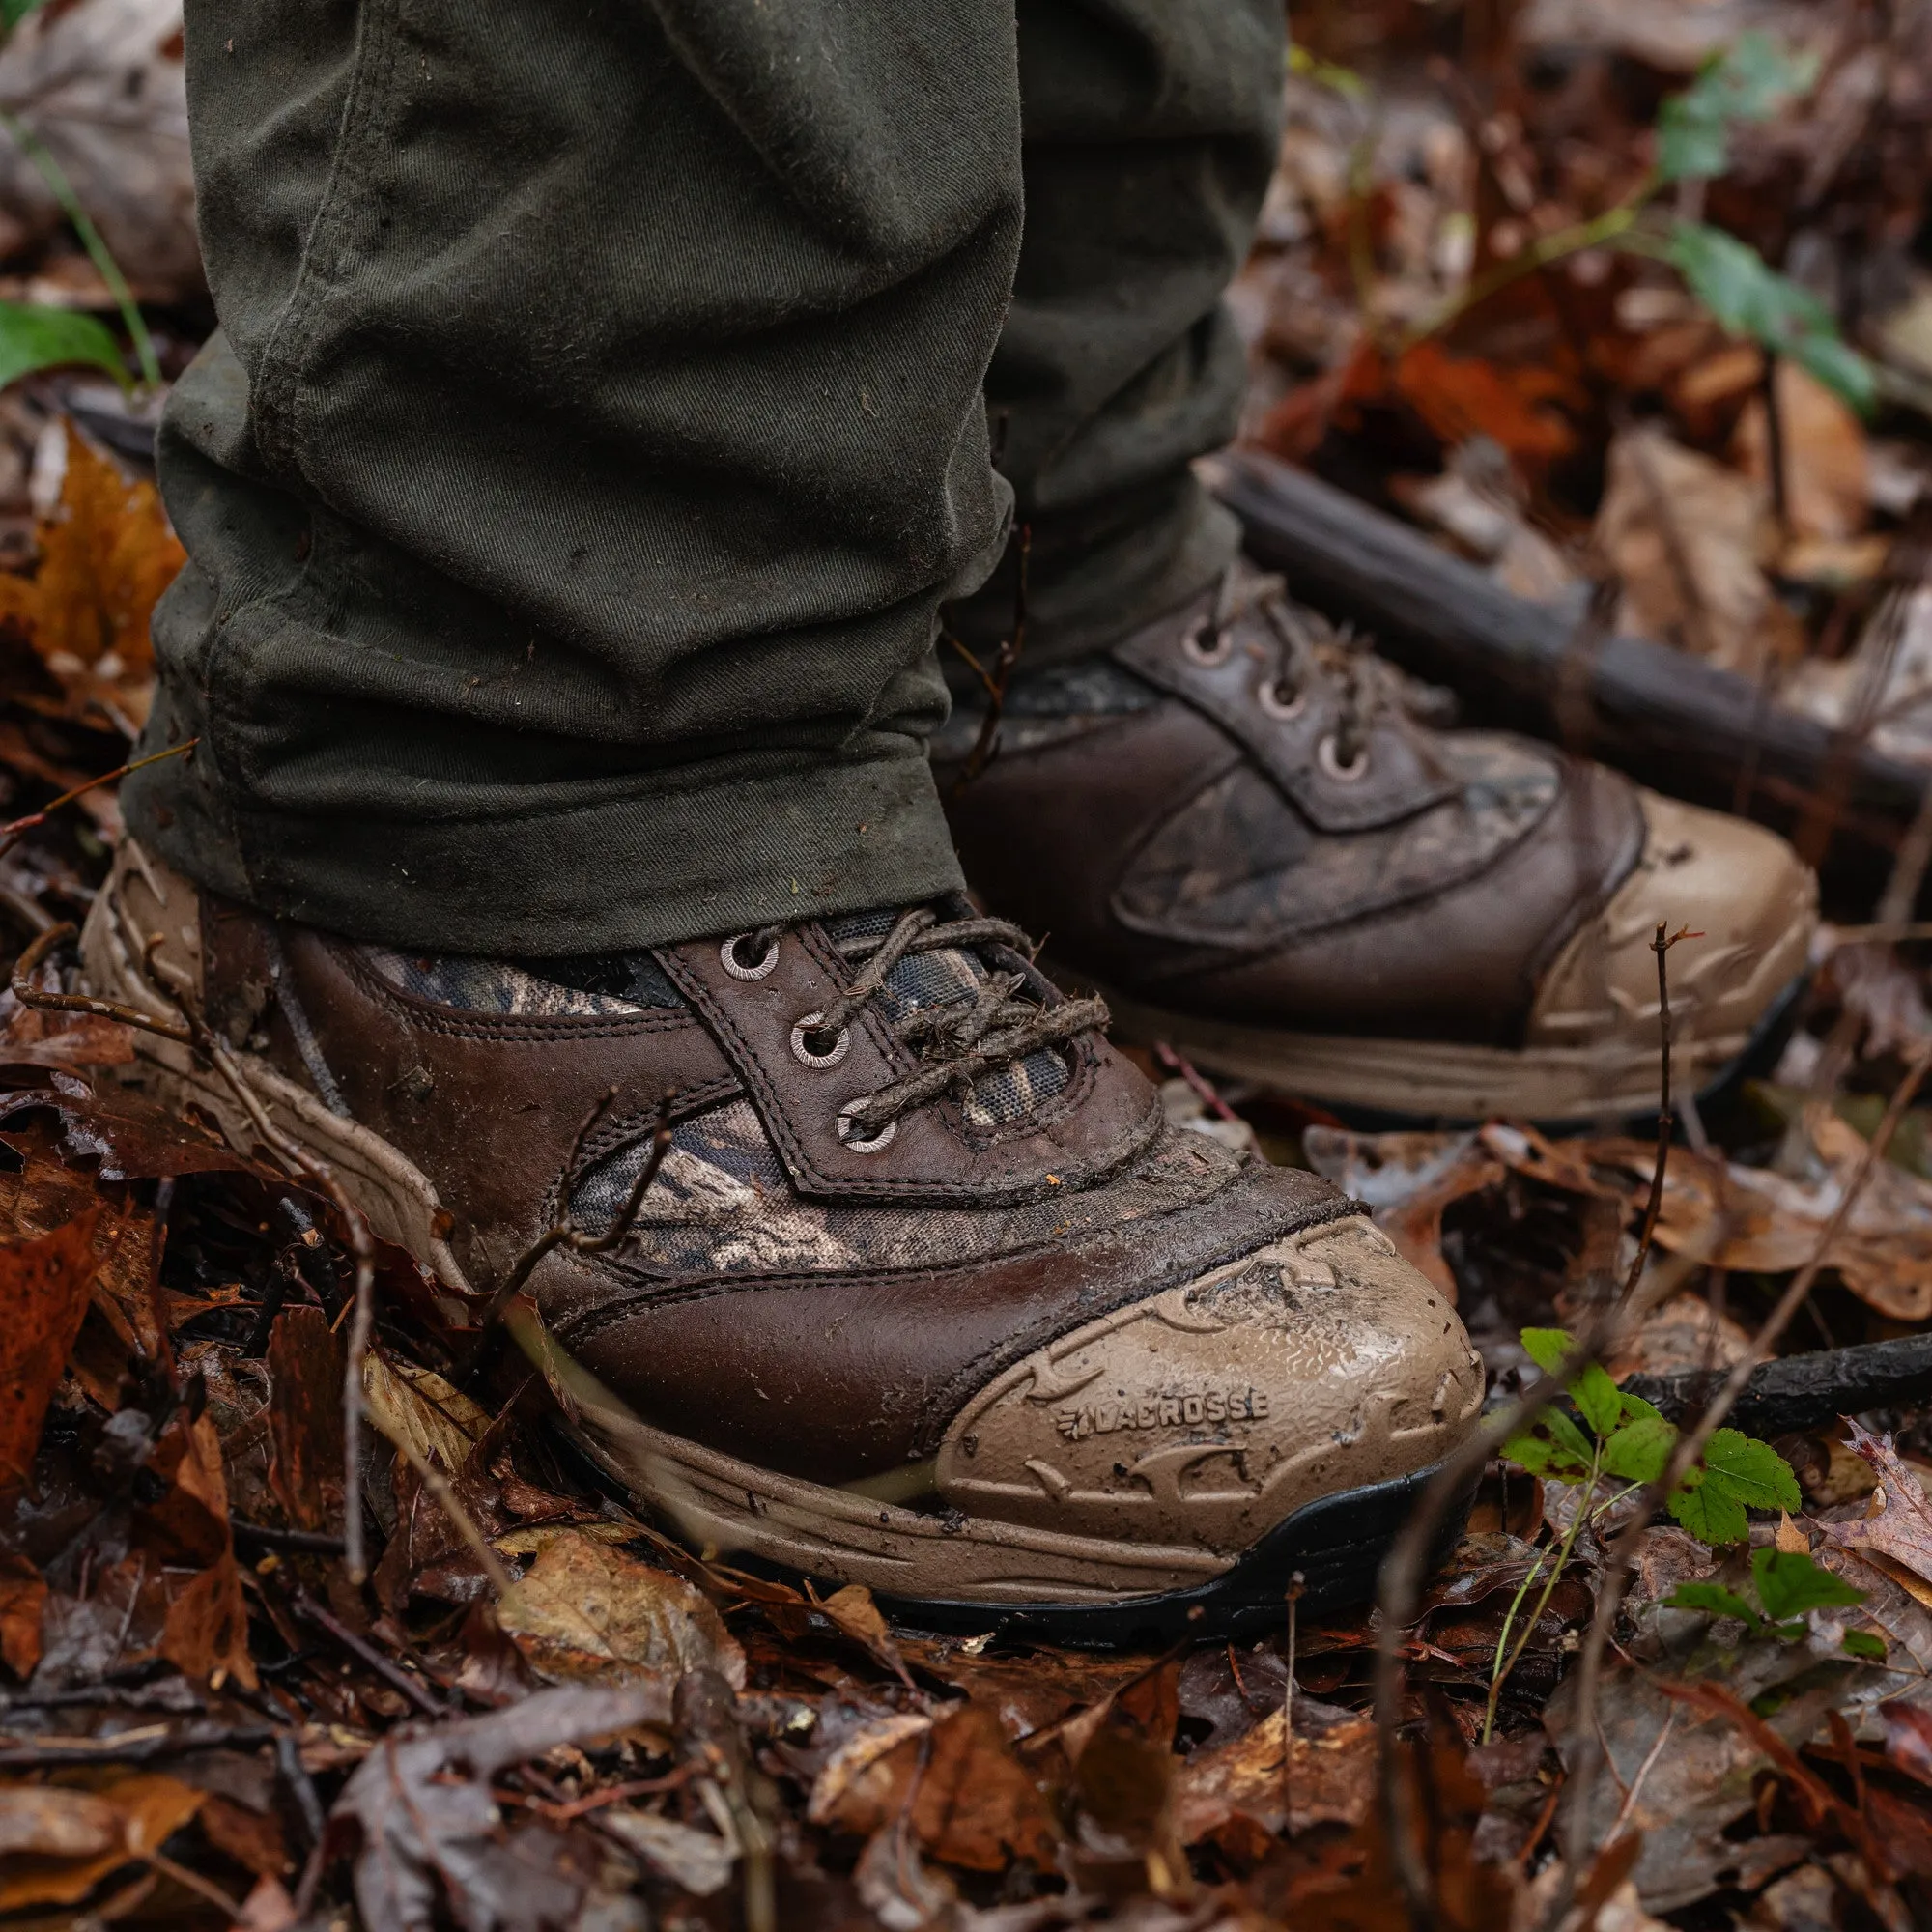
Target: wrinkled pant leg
[594,429]
[1151,130]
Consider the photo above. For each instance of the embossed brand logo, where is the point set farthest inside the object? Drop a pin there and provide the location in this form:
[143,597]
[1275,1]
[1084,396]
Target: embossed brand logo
[1161,1411]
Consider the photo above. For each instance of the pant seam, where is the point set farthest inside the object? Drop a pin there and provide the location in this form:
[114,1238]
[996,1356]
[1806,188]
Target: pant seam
[277,394]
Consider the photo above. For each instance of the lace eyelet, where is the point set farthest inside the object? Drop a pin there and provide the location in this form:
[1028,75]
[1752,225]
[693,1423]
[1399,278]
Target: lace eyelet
[802,1052]
[727,955]
[1329,760]
[1195,646]
[1268,695]
[879,1142]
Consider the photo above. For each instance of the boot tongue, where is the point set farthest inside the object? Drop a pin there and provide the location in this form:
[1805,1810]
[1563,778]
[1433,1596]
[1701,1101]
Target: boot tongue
[948,975]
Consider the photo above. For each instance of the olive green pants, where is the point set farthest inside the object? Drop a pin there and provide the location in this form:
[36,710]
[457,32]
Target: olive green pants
[607,398]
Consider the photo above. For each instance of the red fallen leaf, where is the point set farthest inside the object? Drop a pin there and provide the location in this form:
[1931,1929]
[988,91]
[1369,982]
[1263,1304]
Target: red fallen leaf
[205,1635]
[133,1138]
[23,1598]
[43,1288]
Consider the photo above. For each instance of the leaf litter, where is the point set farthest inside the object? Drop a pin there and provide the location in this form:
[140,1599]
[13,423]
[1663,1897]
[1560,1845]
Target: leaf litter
[577,1724]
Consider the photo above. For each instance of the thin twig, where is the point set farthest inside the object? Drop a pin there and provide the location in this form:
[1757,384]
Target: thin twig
[141,1746]
[438,1485]
[12,833]
[366,1654]
[987,743]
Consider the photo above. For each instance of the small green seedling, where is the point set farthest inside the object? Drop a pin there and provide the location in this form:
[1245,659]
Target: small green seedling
[1634,1441]
[1787,1584]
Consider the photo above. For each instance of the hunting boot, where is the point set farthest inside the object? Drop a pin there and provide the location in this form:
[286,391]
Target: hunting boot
[925,1293]
[1235,826]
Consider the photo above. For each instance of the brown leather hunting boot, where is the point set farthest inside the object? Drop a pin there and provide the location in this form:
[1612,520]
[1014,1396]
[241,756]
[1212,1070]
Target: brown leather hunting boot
[1234,827]
[927,1293]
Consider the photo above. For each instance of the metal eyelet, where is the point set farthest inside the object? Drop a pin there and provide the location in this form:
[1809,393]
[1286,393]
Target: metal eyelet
[879,1142]
[1268,695]
[804,1054]
[727,955]
[1195,645]
[1326,756]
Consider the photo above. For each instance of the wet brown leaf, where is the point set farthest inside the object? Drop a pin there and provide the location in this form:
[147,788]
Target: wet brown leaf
[46,1821]
[147,1809]
[23,1601]
[416,1405]
[588,1613]
[205,1635]
[43,1287]
[968,1800]
[1408,1179]
[250,1838]
[1329,1778]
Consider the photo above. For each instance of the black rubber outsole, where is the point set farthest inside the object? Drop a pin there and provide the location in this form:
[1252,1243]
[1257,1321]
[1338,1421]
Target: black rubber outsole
[1336,1544]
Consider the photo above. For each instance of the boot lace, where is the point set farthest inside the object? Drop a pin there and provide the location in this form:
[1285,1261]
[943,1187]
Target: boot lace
[1310,656]
[957,1042]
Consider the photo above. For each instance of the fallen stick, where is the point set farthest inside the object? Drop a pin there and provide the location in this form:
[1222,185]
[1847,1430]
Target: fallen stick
[1680,723]
[1797,1392]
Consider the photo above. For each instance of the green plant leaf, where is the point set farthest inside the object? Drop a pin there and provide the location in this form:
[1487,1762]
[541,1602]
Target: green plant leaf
[1751,298]
[1638,1451]
[33,338]
[1637,1409]
[1751,1472]
[1716,1600]
[1789,1584]
[1708,1511]
[1750,81]
[1597,1396]
[14,11]
[1863,1643]
[1551,1446]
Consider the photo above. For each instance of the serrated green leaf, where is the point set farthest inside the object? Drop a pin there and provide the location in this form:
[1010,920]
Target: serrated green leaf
[1714,1599]
[1638,1451]
[1750,297]
[1863,1643]
[1598,1398]
[1637,1409]
[1750,81]
[1751,1472]
[33,338]
[1709,1511]
[1789,1584]
[1551,1446]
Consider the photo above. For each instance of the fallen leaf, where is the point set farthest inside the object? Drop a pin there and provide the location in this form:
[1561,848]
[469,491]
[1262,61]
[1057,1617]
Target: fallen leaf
[967,1799]
[205,1635]
[23,1601]
[1908,1737]
[253,1838]
[1827,471]
[697,1861]
[420,1819]
[148,1809]
[1684,535]
[853,1611]
[417,1407]
[44,1286]
[189,1525]
[106,555]
[47,1821]
[1330,1778]
[103,84]
[1408,1180]
[588,1613]
[1897,1523]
